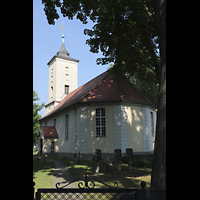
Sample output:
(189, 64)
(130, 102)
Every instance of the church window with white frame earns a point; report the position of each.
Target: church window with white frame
(100, 122)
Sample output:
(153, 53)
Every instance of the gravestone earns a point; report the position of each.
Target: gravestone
(118, 157)
(97, 154)
(129, 155)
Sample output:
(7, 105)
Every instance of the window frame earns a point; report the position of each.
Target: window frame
(100, 123)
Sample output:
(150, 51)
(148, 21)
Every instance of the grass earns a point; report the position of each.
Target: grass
(42, 173)
(141, 171)
(35, 152)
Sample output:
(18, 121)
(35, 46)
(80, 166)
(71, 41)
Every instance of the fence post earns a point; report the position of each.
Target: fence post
(38, 195)
(141, 193)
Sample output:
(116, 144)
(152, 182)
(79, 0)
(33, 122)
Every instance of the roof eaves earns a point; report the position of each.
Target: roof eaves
(67, 58)
(63, 57)
(51, 59)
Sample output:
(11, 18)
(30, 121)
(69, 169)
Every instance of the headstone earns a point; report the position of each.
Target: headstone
(129, 155)
(97, 154)
(118, 157)
(118, 154)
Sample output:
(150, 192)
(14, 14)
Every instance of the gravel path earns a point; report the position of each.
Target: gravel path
(61, 174)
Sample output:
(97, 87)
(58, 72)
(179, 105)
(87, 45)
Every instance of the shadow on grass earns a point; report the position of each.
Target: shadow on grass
(43, 166)
(124, 178)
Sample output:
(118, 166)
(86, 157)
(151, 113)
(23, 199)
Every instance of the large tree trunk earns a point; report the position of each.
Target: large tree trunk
(158, 179)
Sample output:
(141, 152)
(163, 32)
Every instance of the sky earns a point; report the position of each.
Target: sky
(47, 41)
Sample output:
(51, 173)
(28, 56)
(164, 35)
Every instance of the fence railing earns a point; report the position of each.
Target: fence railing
(88, 191)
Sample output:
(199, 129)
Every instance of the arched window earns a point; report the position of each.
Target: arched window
(100, 122)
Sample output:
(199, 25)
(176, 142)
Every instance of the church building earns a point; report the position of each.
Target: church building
(101, 114)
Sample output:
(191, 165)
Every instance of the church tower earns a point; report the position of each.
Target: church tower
(63, 77)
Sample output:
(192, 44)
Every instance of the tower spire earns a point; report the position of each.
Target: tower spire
(63, 50)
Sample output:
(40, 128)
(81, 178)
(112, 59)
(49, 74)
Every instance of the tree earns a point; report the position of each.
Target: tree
(129, 34)
(36, 108)
(148, 89)
(159, 164)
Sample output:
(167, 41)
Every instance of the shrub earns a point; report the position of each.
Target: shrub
(141, 161)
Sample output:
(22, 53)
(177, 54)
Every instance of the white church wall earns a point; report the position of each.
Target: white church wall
(61, 78)
(134, 128)
(65, 145)
(73, 132)
(120, 127)
(82, 129)
(148, 137)
(146, 129)
(73, 79)
(59, 128)
(106, 144)
(51, 79)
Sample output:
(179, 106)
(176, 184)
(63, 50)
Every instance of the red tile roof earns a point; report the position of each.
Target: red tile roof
(49, 131)
(102, 89)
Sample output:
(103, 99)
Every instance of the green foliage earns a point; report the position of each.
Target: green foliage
(124, 30)
(148, 89)
(140, 161)
(36, 108)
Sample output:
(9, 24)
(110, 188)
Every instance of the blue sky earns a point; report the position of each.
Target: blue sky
(47, 41)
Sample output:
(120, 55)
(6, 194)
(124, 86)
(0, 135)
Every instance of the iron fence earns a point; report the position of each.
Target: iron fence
(87, 191)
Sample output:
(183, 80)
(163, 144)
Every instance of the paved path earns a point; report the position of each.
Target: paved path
(61, 174)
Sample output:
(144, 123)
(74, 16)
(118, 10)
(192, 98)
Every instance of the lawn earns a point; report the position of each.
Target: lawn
(141, 171)
(42, 173)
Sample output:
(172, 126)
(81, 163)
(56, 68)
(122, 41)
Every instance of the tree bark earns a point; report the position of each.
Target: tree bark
(158, 179)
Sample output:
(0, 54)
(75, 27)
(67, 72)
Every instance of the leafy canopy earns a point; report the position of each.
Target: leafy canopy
(125, 31)
(36, 108)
